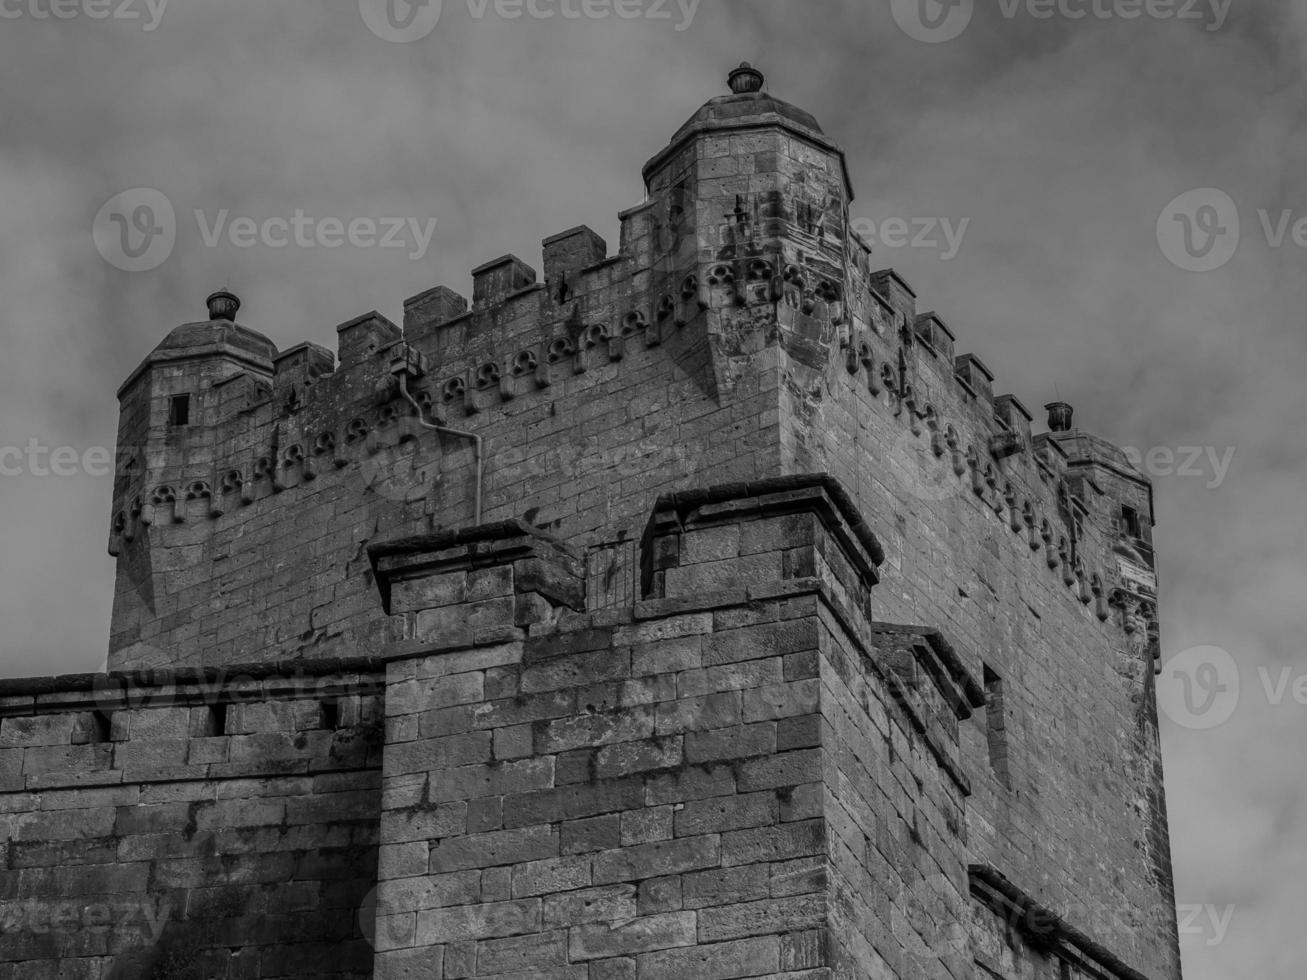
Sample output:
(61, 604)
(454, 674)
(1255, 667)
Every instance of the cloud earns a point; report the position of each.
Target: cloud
(1062, 142)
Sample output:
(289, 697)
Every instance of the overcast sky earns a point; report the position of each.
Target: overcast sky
(1060, 141)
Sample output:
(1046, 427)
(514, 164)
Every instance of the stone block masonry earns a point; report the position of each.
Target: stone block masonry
(740, 774)
(695, 611)
(618, 795)
(171, 825)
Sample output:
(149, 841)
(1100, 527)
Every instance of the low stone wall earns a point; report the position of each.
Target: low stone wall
(190, 825)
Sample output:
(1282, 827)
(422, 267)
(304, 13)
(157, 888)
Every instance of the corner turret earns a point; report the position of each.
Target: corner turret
(169, 407)
(1119, 499)
(748, 208)
(170, 403)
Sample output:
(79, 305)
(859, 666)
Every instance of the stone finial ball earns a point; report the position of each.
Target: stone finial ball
(745, 79)
(1060, 416)
(223, 305)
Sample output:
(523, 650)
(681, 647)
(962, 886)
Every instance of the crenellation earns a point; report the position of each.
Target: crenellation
(363, 336)
(426, 312)
(977, 379)
(893, 290)
(932, 332)
(499, 279)
(566, 256)
(651, 712)
(1015, 418)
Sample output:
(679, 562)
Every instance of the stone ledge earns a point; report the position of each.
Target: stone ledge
(544, 564)
(938, 658)
(815, 493)
(155, 776)
(407, 649)
(1041, 925)
(180, 686)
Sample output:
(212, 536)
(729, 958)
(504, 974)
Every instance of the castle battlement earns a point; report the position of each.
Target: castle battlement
(700, 610)
(521, 344)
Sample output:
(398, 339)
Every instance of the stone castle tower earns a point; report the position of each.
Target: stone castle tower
(693, 611)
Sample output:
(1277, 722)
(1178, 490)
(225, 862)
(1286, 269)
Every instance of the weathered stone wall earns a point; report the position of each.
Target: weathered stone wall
(281, 574)
(1075, 684)
(621, 794)
(186, 827)
(740, 334)
(742, 776)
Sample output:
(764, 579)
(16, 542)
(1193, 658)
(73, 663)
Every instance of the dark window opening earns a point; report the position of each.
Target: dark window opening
(1130, 522)
(331, 715)
(218, 720)
(996, 727)
(101, 727)
(179, 410)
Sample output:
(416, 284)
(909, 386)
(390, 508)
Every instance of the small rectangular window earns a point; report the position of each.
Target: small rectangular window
(1130, 522)
(996, 727)
(179, 410)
